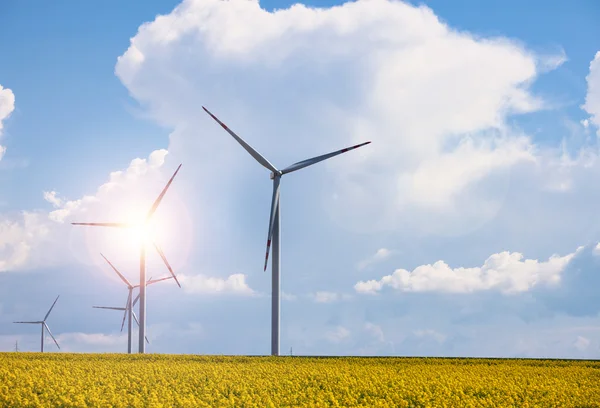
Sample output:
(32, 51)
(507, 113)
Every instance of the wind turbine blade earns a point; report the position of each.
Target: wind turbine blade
(118, 273)
(245, 145)
(51, 307)
(135, 300)
(138, 323)
(274, 206)
(108, 307)
(29, 322)
(162, 194)
(135, 318)
(150, 282)
(50, 333)
(308, 162)
(164, 258)
(104, 224)
(126, 308)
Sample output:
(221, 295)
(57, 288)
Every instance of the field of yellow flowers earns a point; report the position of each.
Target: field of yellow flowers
(118, 380)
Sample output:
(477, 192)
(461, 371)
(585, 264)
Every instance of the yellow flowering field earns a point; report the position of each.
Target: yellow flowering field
(120, 380)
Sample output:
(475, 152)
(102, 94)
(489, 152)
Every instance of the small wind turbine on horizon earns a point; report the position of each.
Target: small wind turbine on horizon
(45, 326)
(144, 225)
(273, 236)
(129, 305)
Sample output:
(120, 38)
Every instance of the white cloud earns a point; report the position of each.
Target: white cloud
(592, 99)
(326, 297)
(51, 197)
(506, 272)
(433, 100)
(429, 333)
(552, 61)
(235, 284)
(20, 239)
(119, 182)
(436, 182)
(585, 123)
(288, 296)
(34, 238)
(380, 255)
(582, 343)
(337, 335)
(7, 105)
(375, 330)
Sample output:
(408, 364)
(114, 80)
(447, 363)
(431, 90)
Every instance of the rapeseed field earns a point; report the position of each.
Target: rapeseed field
(118, 380)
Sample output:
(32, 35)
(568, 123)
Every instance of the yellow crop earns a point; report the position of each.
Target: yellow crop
(117, 380)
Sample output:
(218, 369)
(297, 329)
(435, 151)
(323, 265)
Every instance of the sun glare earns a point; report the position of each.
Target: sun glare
(141, 233)
(169, 228)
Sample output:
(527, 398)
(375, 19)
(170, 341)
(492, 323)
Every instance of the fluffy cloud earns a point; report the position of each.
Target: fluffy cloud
(290, 297)
(433, 100)
(235, 284)
(20, 239)
(338, 334)
(36, 238)
(507, 272)
(7, 105)
(582, 343)
(375, 331)
(326, 297)
(592, 99)
(380, 255)
(429, 333)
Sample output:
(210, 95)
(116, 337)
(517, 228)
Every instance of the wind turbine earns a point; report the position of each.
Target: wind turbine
(45, 326)
(142, 332)
(129, 305)
(273, 236)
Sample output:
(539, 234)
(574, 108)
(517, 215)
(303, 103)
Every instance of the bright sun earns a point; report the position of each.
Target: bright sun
(142, 232)
(122, 245)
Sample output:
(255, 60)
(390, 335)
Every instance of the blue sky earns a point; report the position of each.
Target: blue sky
(482, 150)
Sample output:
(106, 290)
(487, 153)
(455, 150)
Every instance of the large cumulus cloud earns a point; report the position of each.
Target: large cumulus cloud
(433, 100)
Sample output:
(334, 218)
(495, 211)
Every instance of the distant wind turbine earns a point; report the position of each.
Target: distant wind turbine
(45, 327)
(142, 319)
(129, 305)
(273, 235)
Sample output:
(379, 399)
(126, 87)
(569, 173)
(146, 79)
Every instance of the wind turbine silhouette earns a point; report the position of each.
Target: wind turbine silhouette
(130, 304)
(45, 326)
(273, 236)
(142, 319)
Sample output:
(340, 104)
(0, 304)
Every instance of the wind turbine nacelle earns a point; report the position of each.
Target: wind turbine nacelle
(273, 175)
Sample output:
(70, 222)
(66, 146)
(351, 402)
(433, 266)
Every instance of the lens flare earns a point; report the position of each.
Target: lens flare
(142, 233)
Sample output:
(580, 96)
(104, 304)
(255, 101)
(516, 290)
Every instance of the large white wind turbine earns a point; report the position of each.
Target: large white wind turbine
(273, 236)
(142, 332)
(130, 304)
(45, 326)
